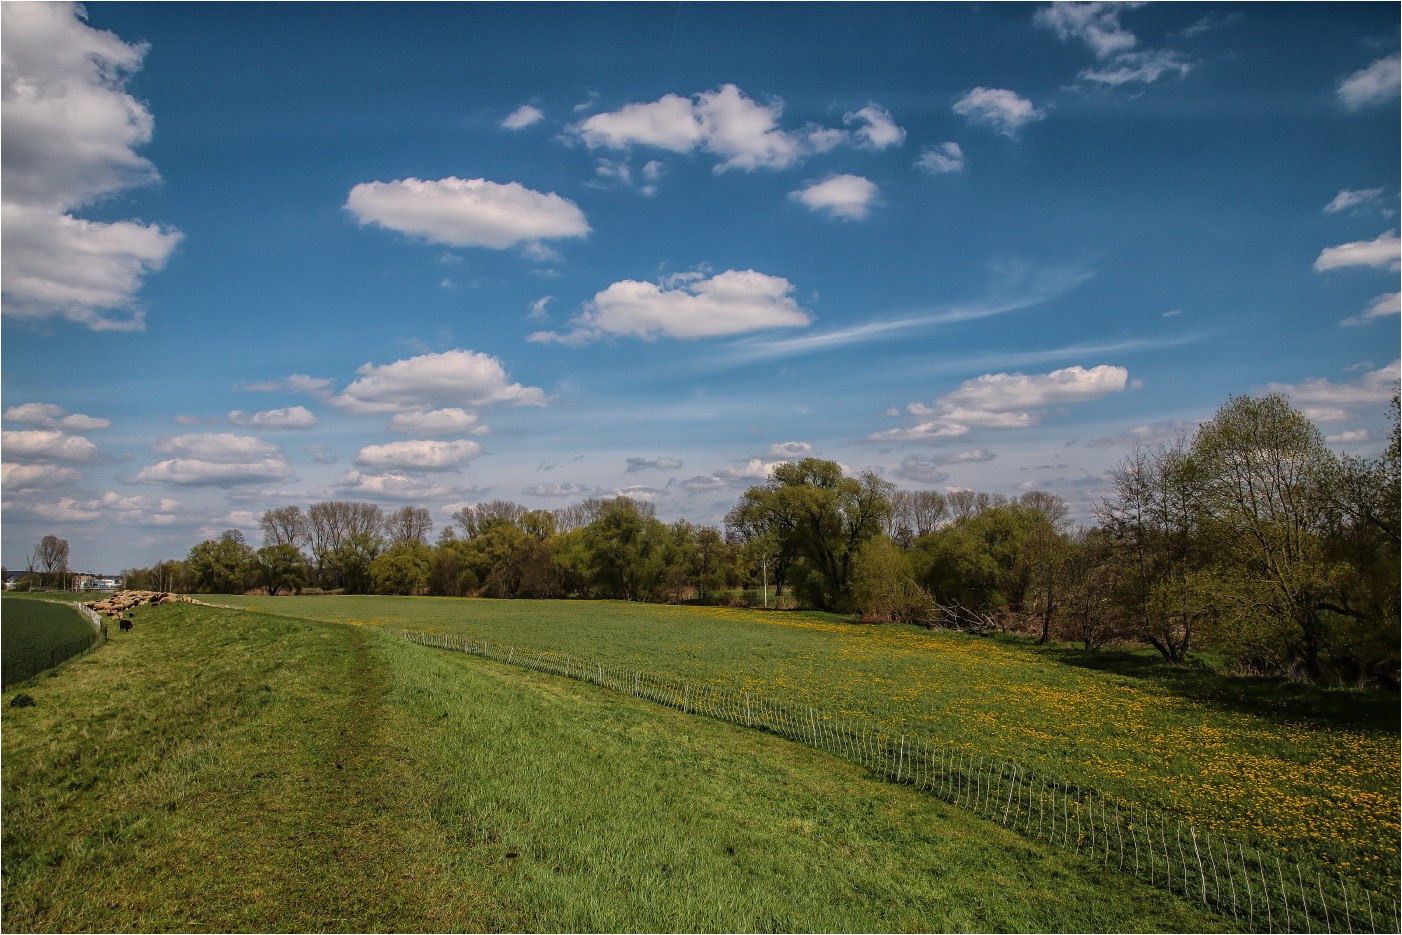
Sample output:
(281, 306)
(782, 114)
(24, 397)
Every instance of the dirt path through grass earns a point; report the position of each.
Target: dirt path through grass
(246, 777)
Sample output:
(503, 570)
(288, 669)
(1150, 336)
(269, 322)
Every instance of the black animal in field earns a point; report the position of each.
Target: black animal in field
(126, 625)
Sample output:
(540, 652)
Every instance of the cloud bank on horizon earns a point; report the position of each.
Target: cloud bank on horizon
(642, 255)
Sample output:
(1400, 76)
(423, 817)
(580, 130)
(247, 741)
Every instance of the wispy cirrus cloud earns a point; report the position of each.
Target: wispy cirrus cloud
(1027, 291)
(1349, 200)
(1098, 26)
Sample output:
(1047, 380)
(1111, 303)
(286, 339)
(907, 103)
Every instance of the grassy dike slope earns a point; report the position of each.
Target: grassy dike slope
(218, 769)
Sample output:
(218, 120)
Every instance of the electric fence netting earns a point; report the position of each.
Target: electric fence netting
(1261, 886)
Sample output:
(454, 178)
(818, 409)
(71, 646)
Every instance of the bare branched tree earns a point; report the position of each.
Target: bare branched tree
(408, 524)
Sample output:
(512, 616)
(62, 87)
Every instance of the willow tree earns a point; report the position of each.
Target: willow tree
(821, 516)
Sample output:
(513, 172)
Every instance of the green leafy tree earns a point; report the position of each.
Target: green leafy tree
(626, 548)
(1087, 610)
(1264, 470)
(220, 566)
(1363, 538)
(991, 563)
(348, 565)
(403, 568)
(884, 588)
(819, 515)
(277, 568)
(1155, 517)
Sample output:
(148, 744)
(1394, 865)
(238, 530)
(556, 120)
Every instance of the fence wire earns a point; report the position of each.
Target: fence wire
(1263, 888)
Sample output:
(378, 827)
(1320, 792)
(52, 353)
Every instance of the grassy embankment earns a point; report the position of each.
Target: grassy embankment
(216, 770)
(39, 633)
(1296, 765)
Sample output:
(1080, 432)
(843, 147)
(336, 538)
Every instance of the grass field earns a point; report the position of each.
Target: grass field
(219, 769)
(1300, 766)
(38, 634)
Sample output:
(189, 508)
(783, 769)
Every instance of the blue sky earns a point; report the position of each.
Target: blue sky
(262, 255)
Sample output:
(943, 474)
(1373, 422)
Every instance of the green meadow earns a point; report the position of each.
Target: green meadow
(1297, 766)
(219, 769)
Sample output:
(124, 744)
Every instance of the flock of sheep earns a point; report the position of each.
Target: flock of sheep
(123, 601)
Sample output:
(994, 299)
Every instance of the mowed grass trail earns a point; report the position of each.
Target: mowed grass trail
(1302, 767)
(218, 769)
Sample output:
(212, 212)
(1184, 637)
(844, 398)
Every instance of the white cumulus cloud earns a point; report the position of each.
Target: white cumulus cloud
(193, 472)
(1381, 252)
(1005, 401)
(397, 486)
(1376, 84)
(220, 447)
(687, 305)
(291, 417)
(523, 117)
(921, 470)
(21, 476)
(46, 445)
(875, 127)
(998, 108)
(1389, 303)
(111, 507)
(466, 212)
(451, 379)
(215, 459)
(842, 196)
(418, 455)
(784, 451)
(554, 490)
(70, 131)
(450, 421)
(668, 123)
(1323, 400)
(49, 416)
(741, 132)
(937, 160)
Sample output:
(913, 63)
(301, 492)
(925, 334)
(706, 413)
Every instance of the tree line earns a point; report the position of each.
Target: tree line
(1251, 540)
